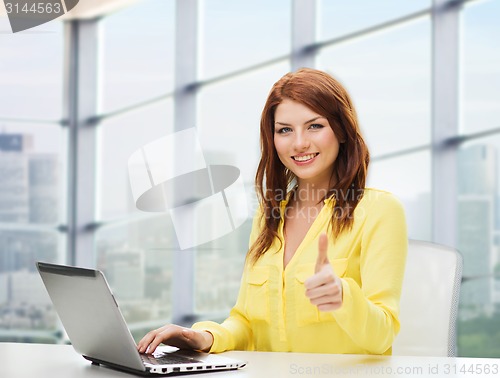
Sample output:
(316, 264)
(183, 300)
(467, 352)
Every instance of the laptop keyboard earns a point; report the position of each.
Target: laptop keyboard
(168, 359)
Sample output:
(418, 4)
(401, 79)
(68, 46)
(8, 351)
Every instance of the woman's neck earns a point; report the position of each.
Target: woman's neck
(310, 194)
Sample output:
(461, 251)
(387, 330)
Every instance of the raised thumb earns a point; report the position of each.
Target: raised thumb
(322, 252)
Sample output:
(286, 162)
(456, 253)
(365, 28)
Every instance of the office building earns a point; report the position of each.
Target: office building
(477, 194)
(29, 182)
(44, 194)
(28, 195)
(14, 179)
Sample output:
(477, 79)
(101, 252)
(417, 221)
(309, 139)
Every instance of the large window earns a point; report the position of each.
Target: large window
(478, 199)
(134, 248)
(478, 241)
(32, 178)
(382, 51)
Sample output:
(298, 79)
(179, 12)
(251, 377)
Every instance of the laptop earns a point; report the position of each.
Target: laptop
(95, 326)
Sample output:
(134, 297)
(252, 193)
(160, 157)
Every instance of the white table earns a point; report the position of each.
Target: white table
(61, 361)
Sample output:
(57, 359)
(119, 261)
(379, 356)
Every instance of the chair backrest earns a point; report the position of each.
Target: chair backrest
(429, 301)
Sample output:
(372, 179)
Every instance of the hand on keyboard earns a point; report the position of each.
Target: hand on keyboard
(174, 335)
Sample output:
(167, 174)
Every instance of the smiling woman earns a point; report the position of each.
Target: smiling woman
(308, 111)
(326, 260)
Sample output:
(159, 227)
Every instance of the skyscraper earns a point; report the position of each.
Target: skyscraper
(476, 222)
(28, 182)
(28, 194)
(14, 194)
(43, 188)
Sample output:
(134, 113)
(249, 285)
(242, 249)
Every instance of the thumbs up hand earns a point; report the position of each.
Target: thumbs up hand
(324, 288)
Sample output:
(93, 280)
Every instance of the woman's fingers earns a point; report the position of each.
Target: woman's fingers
(329, 289)
(166, 334)
(180, 337)
(144, 343)
(324, 289)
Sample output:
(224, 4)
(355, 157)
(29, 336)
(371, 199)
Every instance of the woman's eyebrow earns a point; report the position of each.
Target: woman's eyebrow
(305, 123)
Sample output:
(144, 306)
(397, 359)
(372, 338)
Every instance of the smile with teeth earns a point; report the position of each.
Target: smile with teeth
(305, 157)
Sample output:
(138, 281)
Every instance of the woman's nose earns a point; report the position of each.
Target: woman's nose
(301, 142)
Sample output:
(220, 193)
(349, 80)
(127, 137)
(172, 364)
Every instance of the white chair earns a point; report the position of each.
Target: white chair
(429, 301)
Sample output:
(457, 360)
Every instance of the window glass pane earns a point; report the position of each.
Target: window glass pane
(137, 51)
(481, 66)
(398, 176)
(32, 174)
(240, 33)
(230, 111)
(478, 334)
(229, 121)
(389, 78)
(478, 242)
(31, 71)
(26, 312)
(32, 178)
(219, 265)
(337, 17)
(119, 137)
(136, 257)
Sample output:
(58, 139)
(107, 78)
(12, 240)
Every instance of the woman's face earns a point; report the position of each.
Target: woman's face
(305, 143)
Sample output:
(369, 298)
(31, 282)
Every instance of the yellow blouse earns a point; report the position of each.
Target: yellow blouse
(272, 312)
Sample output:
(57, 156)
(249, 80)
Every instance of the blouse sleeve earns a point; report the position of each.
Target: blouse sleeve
(370, 313)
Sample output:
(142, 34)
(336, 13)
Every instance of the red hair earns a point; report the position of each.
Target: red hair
(326, 96)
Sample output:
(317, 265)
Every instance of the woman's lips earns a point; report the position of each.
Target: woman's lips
(304, 159)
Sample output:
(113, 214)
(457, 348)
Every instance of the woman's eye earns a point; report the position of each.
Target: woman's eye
(283, 130)
(316, 126)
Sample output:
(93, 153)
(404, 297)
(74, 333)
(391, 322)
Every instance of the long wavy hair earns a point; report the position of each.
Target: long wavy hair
(326, 96)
